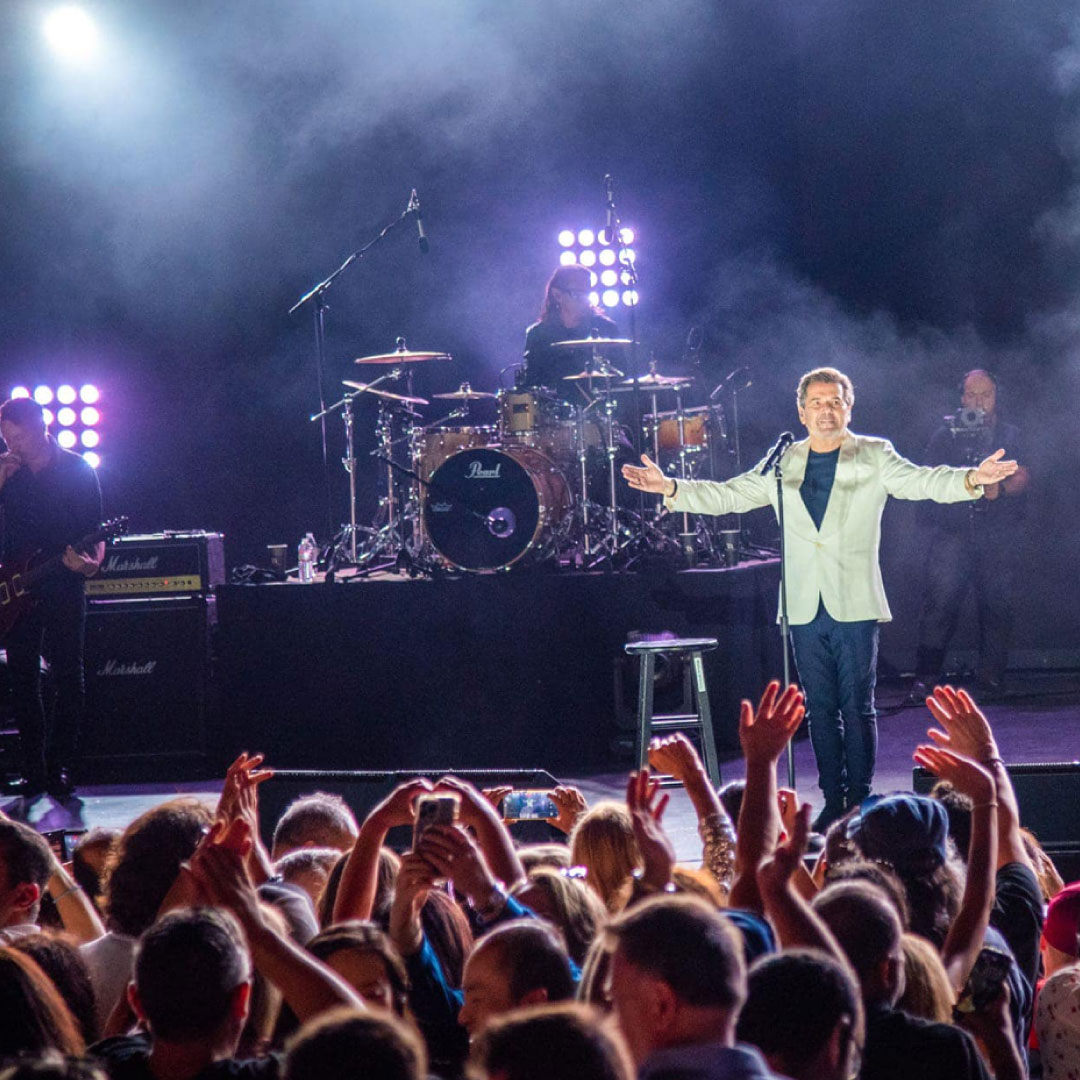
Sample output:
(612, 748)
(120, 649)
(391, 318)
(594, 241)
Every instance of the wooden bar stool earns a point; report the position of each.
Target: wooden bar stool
(699, 721)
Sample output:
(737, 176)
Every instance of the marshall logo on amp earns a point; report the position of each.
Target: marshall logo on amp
(117, 564)
(188, 563)
(117, 667)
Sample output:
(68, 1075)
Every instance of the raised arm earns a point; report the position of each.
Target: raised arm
(491, 834)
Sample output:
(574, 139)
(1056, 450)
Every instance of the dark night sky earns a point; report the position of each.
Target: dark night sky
(888, 187)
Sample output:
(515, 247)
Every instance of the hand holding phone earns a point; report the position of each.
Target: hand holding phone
(983, 985)
(529, 805)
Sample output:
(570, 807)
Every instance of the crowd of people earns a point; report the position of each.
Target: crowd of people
(922, 935)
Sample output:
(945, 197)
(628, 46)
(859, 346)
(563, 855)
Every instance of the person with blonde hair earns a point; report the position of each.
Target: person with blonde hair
(603, 842)
(927, 991)
(568, 903)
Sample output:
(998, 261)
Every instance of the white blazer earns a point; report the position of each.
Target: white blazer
(839, 563)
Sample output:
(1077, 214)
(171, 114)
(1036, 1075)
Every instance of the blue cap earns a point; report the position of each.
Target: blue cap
(908, 831)
(756, 933)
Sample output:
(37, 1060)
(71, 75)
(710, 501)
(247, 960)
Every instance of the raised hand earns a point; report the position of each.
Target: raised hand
(474, 807)
(993, 470)
(243, 776)
(775, 873)
(674, 755)
(453, 854)
(966, 775)
(966, 729)
(787, 802)
(495, 795)
(571, 804)
(649, 478)
(764, 733)
(399, 807)
(646, 816)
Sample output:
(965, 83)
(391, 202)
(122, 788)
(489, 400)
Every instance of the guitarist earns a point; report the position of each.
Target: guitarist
(48, 497)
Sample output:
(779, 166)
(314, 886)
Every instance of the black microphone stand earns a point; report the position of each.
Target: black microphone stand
(317, 296)
(784, 626)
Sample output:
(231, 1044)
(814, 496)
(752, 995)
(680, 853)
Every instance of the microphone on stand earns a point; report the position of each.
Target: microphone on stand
(722, 385)
(414, 209)
(609, 202)
(777, 452)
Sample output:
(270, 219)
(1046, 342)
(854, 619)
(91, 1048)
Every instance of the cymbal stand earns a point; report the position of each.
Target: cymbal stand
(686, 536)
(583, 465)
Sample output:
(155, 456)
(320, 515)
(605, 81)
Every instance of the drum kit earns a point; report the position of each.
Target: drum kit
(540, 484)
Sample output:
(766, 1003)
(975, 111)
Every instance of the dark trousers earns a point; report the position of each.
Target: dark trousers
(837, 666)
(54, 628)
(976, 558)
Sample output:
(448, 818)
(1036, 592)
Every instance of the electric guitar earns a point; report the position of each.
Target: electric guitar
(19, 576)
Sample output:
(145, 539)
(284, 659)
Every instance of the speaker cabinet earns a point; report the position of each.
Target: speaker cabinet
(148, 689)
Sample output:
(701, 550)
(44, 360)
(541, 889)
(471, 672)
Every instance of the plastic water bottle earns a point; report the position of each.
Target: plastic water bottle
(307, 555)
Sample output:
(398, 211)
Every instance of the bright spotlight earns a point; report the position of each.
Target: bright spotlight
(611, 298)
(66, 394)
(19, 391)
(71, 33)
(609, 278)
(586, 237)
(593, 279)
(607, 257)
(566, 238)
(594, 299)
(47, 416)
(43, 395)
(630, 297)
(90, 438)
(66, 416)
(90, 416)
(604, 236)
(67, 439)
(92, 459)
(627, 256)
(567, 258)
(89, 394)
(587, 257)
(627, 235)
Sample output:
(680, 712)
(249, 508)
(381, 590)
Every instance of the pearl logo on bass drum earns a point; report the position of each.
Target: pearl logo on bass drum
(478, 472)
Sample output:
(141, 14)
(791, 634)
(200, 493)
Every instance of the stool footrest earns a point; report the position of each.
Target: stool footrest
(676, 716)
(677, 725)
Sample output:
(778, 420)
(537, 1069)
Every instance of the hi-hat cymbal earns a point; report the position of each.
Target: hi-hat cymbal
(402, 356)
(656, 380)
(591, 342)
(608, 372)
(364, 388)
(466, 393)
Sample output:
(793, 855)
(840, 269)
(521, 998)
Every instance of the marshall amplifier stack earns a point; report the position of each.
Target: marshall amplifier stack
(149, 684)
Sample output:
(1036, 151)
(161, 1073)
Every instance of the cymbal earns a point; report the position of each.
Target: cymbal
(364, 388)
(592, 341)
(402, 356)
(655, 379)
(466, 393)
(594, 373)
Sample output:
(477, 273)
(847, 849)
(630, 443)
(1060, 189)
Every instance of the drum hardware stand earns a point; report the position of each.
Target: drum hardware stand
(317, 296)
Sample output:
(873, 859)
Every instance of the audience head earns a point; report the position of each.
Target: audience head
(53, 1066)
(731, 796)
(59, 958)
(523, 962)
(89, 859)
(344, 1043)
(534, 856)
(603, 842)
(868, 929)
(143, 863)
(876, 874)
(448, 933)
(927, 990)
(677, 974)
(803, 1011)
(309, 868)
(25, 867)
(568, 903)
(1061, 929)
(192, 978)
(958, 810)
(1050, 880)
(568, 1041)
(316, 820)
(363, 956)
(33, 1016)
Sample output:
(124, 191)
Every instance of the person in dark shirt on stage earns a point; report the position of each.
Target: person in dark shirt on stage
(566, 315)
(50, 499)
(972, 546)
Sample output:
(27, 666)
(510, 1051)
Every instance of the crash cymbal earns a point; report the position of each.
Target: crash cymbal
(608, 372)
(466, 393)
(364, 388)
(591, 342)
(657, 381)
(402, 356)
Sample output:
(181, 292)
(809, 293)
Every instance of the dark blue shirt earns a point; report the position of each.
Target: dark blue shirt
(817, 484)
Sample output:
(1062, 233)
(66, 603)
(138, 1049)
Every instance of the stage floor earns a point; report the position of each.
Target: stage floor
(1040, 722)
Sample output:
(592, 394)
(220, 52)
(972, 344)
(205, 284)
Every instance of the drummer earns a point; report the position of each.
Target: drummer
(566, 315)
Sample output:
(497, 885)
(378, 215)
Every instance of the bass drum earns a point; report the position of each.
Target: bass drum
(490, 508)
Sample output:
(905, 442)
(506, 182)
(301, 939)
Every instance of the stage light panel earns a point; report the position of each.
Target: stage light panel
(607, 257)
(43, 395)
(593, 279)
(47, 415)
(19, 391)
(66, 416)
(566, 238)
(567, 258)
(586, 237)
(610, 298)
(630, 297)
(627, 256)
(626, 277)
(609, 278)
(627, 235)
(71, 33)
(603, 237)
(90, 438)
(93, 459)
(587, 257)
(89, 394)
(66, 394)
(90, 416)
(67, 438)
(594, 299)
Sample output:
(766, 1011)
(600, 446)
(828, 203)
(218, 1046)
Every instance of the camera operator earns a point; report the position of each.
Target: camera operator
(973, 544)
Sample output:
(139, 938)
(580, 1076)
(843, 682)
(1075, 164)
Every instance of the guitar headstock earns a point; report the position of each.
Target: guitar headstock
(111, 529)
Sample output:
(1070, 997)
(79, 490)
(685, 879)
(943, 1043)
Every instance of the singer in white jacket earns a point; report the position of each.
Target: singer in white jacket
(835, 485)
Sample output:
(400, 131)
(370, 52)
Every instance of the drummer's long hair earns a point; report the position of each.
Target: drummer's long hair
(566, 277)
